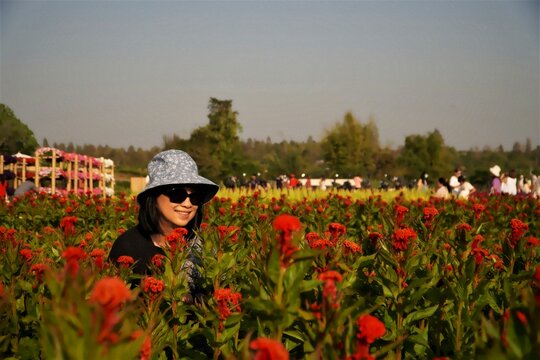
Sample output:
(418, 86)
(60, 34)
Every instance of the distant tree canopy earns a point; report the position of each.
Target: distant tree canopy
(349, 148)
(15, 136)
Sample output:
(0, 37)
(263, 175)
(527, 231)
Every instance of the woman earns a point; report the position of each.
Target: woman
(465, 188)
(442, 189)
(173, 198)
(495, 188)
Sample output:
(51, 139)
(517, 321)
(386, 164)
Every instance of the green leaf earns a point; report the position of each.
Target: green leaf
(419, 315)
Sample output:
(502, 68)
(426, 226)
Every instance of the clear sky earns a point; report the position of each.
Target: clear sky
(123, 73)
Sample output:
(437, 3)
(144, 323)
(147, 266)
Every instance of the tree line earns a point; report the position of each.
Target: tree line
(349, 148)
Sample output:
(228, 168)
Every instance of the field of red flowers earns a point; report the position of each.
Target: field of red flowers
(331, 277)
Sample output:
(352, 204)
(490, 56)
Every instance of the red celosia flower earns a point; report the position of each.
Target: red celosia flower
(146, 348)
(125, 261)
(268, 349)
(157, 260)
(401, 238)
(26, 254)
(230, 232)
(98, 255)
(463, 227)
(110, 293)
(153, 287)
(400, 213)
(336, 231)
(73, 255)
(176, 239)
(68, 225)
(285, 225)
(374, 236)
(429, 215)
(478, 210)
(329, 289)
(369, 328)
(38, 270)
(533, 241)
(227, 300)
(518, 229)
(321, 244)
(351, 247)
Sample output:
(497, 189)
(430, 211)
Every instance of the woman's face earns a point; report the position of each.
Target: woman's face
(176, 209)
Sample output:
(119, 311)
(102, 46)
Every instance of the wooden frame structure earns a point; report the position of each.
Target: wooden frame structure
(59, 172)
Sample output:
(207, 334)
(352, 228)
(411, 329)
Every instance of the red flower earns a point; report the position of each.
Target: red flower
(157, 260)
(329, 289)
(146, 348)
(230, 232)
(336, 231)
(285, 225)
(38, 270)
(518, 229)
(463, 227)
(374, 236)
(26, 254)
(98, 255)
(400, 213)
(73, 255)
(176, 239)
(125, 261)
(227, 300)
(153, 287)
(351, 247)
(533, 241)
(369, 328)
(268, 349)
(68, 225)
(110, 293)
(401, 238)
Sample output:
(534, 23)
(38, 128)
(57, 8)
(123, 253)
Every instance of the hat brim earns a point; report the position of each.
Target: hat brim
(209, 188)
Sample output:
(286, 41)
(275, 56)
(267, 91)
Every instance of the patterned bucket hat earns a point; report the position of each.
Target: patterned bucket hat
(176, 167)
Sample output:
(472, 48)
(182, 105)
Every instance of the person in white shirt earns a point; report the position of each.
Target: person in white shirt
(454, 182)
(465, 188)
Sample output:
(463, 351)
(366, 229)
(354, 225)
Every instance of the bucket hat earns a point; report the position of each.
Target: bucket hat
(176, 167)
(495, 170)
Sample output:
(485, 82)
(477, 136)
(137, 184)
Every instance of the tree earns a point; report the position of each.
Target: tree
(15, 136)
(349, 147)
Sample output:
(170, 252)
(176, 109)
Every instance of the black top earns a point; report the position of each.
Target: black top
(133, 243)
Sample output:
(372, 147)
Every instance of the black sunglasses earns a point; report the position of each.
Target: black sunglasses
(179, 195)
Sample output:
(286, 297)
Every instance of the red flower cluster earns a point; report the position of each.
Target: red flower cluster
(268, 349)
(329, 288)
(157, 260)
(351, 247)
(228, 232)
(227, 300)
(400, 213)
(38, 270)
(401, 238)
(73, 255)
(125, 261)
(98, 255)
(153, 287)
(369, 329)
(110, 293)
(336, 230)
(518, 229)
(146, 348)
(285, 225)
(176, 239)
(478, 210)
(68, 225)
(429, 215)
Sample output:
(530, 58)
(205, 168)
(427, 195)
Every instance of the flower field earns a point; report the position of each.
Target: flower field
(328, 276)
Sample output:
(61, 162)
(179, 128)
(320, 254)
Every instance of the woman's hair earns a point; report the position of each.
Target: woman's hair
(150, 217)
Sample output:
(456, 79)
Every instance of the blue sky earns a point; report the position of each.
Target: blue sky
(123, 73)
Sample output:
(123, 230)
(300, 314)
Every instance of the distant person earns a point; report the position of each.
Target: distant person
(442, 189)
(454, 182)
(293, 181)
(322, 184)
(510, 183)
(495, 188)
(422, 183)
(465, 188)
(25, 187)
(357, 182)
